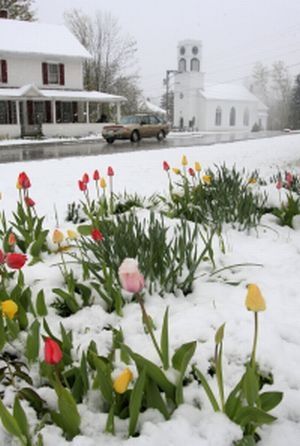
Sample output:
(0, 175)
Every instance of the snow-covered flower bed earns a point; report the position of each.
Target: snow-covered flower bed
(99, 349)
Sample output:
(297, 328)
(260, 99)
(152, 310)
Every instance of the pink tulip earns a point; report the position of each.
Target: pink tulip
(130, 277)
(289, 179)
(279, 184)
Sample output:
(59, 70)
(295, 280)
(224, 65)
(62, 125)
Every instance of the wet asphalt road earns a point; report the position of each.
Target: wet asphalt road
(44, 150)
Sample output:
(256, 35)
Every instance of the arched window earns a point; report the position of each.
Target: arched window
(218, 119)
(182, 65)
(232, 116)
(246, 116)
(195, 65)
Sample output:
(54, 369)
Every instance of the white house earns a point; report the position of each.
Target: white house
(41, 83)
(219, 107)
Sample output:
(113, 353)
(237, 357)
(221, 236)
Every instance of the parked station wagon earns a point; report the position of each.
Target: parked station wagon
(136, 127)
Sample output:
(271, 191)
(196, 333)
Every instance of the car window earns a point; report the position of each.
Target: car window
(144, 120)
(154, 120)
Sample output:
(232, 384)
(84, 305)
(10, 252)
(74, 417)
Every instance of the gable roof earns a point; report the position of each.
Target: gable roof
(34, 38)
(230, 92)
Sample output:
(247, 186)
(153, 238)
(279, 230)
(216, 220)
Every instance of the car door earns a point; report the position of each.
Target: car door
(145, 127)
(154, 127)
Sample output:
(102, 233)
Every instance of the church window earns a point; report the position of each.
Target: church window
(246, 117)
(232, 117)
(182, 65)
(218, 119)
(195, 50)
(195, 65)
(182, 50)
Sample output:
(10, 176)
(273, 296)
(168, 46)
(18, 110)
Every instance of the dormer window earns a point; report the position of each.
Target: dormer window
(3, 71)
(53, 73)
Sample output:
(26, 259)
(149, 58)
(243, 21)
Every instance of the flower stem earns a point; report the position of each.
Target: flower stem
(254, 339)
(149, 326)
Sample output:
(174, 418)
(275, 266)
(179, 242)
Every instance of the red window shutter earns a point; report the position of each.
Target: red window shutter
(48, 111)
(61, 74)
(4, 71)
(45, 73)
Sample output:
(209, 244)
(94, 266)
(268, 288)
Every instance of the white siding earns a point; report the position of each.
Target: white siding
(22, 71)
(226, 106)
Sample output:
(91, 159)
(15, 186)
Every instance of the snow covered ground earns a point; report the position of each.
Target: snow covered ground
(196, 317)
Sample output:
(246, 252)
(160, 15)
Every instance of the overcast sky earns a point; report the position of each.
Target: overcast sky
(234, 33)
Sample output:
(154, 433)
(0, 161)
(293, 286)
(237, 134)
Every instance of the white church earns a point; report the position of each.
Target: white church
(221, 107)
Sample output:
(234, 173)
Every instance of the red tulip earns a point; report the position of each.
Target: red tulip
(15, 260)
(191, 172)
(82, 185)
(53, 353)
(166, 166)
(110, 171)
(97, 235)
(96, 175)
(24, 181)
(85, 178)
(29, 202)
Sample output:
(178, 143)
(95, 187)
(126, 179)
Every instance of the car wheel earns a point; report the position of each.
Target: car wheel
(110, 140)
(135, 136)
(161, 135)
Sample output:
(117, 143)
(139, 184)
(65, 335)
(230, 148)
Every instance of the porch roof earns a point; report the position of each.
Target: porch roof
(31, 92)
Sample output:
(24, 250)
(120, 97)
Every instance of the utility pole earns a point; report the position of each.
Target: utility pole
(167, 80)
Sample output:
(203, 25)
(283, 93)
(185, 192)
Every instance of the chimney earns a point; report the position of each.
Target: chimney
(3, 14)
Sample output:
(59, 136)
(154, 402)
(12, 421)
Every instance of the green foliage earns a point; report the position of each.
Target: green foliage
(287, 211)
(227, 199)
(169, 263)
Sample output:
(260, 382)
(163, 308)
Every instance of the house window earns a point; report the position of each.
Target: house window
(195, 65)
(182, 65)
(66, 112)
(246, 117)
(8, 114)
(218, 119)
(3, 71)
(232, 117)
(53, 73)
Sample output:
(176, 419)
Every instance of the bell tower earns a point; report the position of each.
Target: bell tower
(189, 81)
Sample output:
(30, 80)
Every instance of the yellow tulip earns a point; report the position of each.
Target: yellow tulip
(252, 181)
(206, 179)
(122, 381)
(197, 166)
(102, 183)
(72, 235)
(57, 236)
(176, 170)
(184, 161)
(254, 299)
(9, 308)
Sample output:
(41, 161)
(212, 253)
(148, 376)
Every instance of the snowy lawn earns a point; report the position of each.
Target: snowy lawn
(273, 252)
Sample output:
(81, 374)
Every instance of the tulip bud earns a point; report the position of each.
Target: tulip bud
(9, 308)
(279, 184)
(82, 185)
(176, 171)
(96, 175)
(184, 161)
(122, 381)
(29, 202)
(52, 351)
(130, 277)
(102, 183)
(206, 179)
(191, 172)
(197, 166)
(72, 235)
(85, 178)
(2, 257)
(12, 239)
(15, 260)
(166, 166)
(57, 236)
(97, 236)
(110, 171)
(254, 299)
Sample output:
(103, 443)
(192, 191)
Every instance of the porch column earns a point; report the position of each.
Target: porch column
(118, 111)
(87, 112)
(18, 112)
(53, 112)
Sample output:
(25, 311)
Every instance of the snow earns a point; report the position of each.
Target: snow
(230, 92)
(195, 317)
(34, 38)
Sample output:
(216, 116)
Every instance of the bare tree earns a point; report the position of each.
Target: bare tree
(111, 68)
(260, 82)
(18, 9)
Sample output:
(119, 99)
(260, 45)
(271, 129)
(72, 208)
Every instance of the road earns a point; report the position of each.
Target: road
(47, 150)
